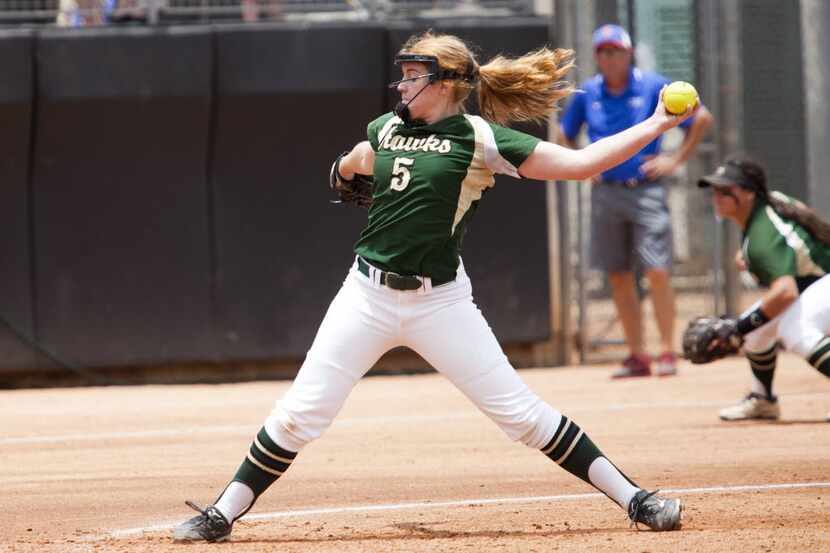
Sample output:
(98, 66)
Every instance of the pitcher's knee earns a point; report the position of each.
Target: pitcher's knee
(535, 428)
(291, 431)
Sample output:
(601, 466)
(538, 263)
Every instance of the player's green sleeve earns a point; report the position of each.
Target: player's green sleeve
(514, 146)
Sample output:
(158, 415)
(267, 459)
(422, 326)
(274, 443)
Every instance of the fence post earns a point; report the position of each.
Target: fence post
(152, 12)
(730, 133)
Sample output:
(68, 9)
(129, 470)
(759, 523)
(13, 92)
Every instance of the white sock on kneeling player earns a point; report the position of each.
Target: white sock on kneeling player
(235, 499)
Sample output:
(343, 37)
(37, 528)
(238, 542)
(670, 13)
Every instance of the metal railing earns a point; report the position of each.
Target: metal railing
(35, 11)
(82, 13)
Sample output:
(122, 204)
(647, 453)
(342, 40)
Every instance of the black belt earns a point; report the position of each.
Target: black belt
(396, 281)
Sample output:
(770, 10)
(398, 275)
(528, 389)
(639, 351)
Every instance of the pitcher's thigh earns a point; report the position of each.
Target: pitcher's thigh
(350, 340)
(459, 343)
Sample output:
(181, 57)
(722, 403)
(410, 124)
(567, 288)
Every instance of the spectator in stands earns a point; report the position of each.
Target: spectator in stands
(132, 11)
(83, 13)
(255, 10)
(630, 224)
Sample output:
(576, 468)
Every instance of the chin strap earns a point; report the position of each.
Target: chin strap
(402, 109)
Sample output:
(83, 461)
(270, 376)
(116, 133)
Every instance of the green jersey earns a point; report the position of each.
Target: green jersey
(774, 247)
(429, 179)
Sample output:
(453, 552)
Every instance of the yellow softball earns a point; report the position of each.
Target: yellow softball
(678, 95)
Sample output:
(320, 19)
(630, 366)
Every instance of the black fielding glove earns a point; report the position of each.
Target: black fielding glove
(357, 191)
(707, 339)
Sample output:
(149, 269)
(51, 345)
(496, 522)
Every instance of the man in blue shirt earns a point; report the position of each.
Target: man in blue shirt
(630, 222)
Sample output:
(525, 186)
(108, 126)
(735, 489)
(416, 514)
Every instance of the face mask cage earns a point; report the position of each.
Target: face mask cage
(434, 72)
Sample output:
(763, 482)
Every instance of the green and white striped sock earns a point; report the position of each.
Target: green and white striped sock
(820, 356)
(575, 452)
(763, 370)
(265, 462)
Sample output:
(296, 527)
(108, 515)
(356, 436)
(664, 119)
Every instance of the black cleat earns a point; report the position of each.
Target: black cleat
(658, 513)
(210, 526)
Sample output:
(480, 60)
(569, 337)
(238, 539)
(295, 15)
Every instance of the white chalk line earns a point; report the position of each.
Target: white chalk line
(468, 414)
(132, 532)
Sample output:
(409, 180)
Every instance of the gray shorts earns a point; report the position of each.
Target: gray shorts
(630, 227)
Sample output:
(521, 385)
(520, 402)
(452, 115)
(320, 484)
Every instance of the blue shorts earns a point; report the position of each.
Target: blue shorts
(630, 227)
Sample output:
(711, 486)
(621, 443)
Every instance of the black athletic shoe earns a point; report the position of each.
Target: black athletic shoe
(658, 513)
(210, 526)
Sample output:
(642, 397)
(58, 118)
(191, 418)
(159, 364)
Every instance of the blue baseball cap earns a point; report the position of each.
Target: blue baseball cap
(611, 35)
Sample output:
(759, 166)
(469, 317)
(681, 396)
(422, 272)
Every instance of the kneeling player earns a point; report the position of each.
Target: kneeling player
(786, 246)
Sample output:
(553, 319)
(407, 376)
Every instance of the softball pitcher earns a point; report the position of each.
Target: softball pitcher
(430, 163)
(786, 246)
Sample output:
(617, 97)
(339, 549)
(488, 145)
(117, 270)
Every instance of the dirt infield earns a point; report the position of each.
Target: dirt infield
(411, 466)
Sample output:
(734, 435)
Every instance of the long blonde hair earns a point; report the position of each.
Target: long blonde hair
(527, 88)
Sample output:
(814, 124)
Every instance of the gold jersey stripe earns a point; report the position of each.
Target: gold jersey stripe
(559, 439)
(478, 177)
(805, 264)
(269, 470)
(573, 445)
(269, 454)
(492, 157)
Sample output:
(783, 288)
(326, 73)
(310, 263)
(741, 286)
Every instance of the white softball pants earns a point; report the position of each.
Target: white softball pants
(799, 327)
(442, 324)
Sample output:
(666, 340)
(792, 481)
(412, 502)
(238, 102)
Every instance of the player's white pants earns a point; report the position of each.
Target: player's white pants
(442, 324)
(799, 327)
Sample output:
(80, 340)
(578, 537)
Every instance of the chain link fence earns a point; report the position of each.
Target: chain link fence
(679, 39)
(696, 272)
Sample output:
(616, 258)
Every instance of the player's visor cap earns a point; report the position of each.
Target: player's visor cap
(728, 174)
(613, 36)
(434, 70)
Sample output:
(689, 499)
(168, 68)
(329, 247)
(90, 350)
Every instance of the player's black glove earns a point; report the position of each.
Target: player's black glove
(707, 339)
(357, 191)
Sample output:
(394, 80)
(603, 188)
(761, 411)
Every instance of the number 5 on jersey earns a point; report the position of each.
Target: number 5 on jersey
(401, 173)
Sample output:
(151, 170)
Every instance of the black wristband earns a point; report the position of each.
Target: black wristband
(334, 176)
(752, 320)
